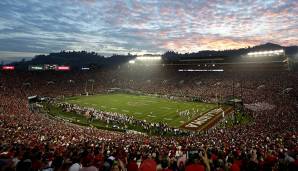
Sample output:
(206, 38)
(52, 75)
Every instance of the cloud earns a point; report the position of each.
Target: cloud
(138, 26)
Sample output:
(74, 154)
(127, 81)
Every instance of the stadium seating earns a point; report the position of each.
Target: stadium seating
(34, 141)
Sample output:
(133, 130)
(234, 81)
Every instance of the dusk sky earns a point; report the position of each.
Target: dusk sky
(30, 27)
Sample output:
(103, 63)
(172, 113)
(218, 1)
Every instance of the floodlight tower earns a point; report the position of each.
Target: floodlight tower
(266, 53)
(145, 59)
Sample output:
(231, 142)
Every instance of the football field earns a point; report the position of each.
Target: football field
(149, 108)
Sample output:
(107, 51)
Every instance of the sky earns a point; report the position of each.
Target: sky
(31, 27)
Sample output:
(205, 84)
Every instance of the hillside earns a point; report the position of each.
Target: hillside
(83, 58)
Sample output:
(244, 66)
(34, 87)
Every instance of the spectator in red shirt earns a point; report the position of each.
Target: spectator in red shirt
(132, 165)
(195, 166)
(148, 165)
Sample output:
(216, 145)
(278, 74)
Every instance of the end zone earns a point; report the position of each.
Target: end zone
(207, 120)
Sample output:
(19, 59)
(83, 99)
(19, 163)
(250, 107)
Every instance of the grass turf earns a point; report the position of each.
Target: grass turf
(149, 108)
(78, 119)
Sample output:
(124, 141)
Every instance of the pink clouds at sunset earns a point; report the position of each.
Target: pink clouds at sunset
(195, 44)
(145, 25)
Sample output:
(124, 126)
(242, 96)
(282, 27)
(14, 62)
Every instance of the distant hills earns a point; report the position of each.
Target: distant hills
(77, 59)
(172, 56)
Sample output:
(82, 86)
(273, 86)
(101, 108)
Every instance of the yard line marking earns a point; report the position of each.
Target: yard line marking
(168, 108)
(168, 119)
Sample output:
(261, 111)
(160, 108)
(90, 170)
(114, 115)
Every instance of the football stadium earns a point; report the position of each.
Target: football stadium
(91, 85)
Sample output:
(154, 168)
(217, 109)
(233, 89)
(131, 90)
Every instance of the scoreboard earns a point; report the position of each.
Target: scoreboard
(49, 67)
(35, 67)
(38, 67)
(8, 67)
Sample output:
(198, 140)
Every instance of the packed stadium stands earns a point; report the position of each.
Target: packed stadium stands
(32, 140)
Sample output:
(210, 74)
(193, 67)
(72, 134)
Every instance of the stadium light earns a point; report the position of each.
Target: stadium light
(148, 58)
(132, 61)
(266, 53)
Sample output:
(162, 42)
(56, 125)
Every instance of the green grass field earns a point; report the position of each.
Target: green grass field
(149, 108)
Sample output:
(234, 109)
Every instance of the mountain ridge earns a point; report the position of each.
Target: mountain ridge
(78, 59)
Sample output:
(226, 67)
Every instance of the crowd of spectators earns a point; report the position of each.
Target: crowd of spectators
(116, 119)
(33, 141)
